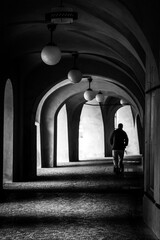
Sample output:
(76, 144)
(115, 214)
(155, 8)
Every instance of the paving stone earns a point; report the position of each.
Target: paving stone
(75, 202)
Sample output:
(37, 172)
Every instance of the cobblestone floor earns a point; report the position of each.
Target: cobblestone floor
(76, 202)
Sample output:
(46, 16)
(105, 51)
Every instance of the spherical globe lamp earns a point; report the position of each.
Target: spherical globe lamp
(123, 102)
(51, 54)
(99, 97)
(75, 75)
(89, 95)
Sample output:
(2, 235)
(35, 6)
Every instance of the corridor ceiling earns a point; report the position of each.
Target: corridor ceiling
(106, 35)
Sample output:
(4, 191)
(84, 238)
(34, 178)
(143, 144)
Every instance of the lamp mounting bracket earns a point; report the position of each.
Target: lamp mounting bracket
(61, 15)
(89, 79)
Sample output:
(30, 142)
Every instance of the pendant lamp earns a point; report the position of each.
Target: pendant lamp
(75, 75)
(89, 94)
(99, 97)
(51, 54)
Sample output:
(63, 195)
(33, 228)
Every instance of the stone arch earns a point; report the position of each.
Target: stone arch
(65, 92)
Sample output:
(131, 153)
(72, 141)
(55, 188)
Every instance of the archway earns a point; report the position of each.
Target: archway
(124, 115)
(8, 134)
(51, 103)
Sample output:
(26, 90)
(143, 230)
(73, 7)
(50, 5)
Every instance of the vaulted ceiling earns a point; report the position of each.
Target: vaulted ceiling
(108, 35)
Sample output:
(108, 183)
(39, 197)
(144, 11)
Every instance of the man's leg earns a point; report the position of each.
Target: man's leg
(115, 159)
(120, 163)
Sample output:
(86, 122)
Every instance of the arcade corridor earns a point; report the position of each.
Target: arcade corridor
(74, 202)
(59, 56)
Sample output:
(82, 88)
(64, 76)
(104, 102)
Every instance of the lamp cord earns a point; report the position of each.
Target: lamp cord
(52, 28)
(75, 56)
(89, 80)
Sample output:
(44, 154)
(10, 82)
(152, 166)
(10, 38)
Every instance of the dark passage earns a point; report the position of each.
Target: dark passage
(82, 201)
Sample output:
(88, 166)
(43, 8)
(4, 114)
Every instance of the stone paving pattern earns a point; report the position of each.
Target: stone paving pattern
(84, 201)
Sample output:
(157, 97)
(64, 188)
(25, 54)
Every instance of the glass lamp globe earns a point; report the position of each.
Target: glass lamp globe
(123, 102)
(99, 97)
(51, 54)
(89, 94)
(75, 75)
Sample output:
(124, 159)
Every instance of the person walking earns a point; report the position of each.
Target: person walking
(119, 140)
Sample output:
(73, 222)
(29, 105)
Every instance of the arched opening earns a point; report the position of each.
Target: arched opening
(62, 137)
(8, 134)
(47, 123)
(125, 116)
(91, 133)
(38, 145)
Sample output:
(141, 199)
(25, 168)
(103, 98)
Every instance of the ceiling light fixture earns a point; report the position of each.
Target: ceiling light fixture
(99, 97)
(123, 102)
(61, 15)
(75, 75)
(51, 54)
(89, 94)
(108, 104)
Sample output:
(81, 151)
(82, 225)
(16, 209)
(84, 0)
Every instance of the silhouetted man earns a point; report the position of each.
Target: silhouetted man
(119, 141)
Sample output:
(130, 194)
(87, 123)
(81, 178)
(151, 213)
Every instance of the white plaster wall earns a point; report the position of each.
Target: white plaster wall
(91, 133)
(62, 136)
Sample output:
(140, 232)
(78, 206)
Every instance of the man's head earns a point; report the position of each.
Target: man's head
(120, 125)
